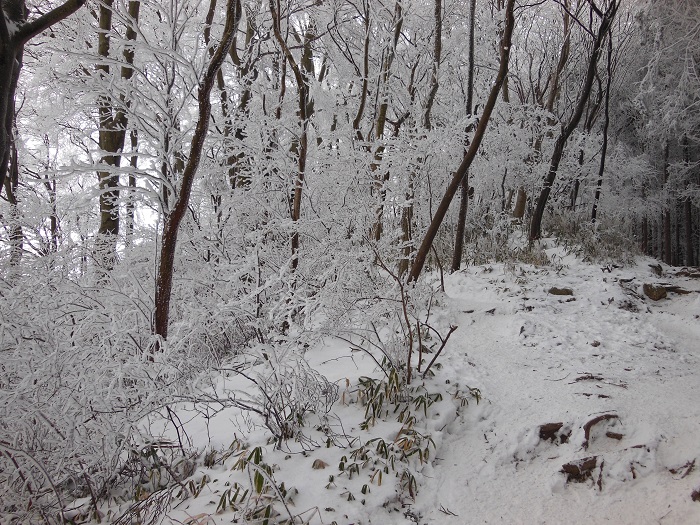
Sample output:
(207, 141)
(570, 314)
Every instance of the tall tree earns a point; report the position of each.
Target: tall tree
(464, 188)
(461, 171)
(113, 123)
(301, 144)
(15, 32)
(171, 225)
(567, 128)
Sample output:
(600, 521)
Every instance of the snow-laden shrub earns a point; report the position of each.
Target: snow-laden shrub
(602, 243)
(76, 379)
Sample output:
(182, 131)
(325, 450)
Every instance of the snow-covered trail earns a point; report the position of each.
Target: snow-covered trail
(540, 358)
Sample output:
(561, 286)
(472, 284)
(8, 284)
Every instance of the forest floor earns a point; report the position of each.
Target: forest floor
(603, 383)
(608, 352)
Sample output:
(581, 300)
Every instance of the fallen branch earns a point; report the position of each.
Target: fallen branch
(587, 427)
(437, 354)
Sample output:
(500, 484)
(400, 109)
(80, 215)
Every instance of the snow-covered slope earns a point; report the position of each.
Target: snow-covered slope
(540, 358)
(597, 380)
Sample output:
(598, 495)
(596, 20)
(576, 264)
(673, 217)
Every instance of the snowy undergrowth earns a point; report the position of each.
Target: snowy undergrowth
(587, 410)
(293, 432)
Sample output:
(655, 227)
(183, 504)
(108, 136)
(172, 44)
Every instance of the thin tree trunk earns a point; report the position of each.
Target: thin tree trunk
(407, 210)
(464, 186)
(520, 202)
(131, 202)
(16, 236)
(458, 176)
(380, 182)
(303, 141)
(164, 278)
(606, 124)
(667, 251)
(567, 130)
(687, 209)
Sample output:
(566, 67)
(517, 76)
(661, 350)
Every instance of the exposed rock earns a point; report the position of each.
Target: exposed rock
(693, 273)
(560, 291)
(551, 432)
(614, 435)
(580, 470)
(654, 292)
(590, 424)
(319, 464)
(695, 496)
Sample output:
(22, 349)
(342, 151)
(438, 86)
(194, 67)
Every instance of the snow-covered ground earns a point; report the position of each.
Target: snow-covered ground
(604, 375)
(542, 358)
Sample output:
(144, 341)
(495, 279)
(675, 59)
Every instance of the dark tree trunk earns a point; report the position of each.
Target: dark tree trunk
(666, 220)
(464, 192)
(459, 175)
(16, 236)
(131, 201)
(381, 180)
(567, 130)
(112, 133)
(164, 278)
(687, 209)
(301, 145)
(606, 125)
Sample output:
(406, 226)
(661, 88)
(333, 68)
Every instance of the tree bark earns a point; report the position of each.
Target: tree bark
(164, 278)
(606, 125)
(112, 132)
(687, 208)
(457, 177)
(464, 186)
(380, 182)
(300, 76)
(666, 220)
(11, 52)
(567, 130)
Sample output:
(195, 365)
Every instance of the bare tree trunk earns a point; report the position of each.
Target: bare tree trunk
(407, 210)
(380, 182)
(303, 140)
(687, 209)
(16, 236)
(464, 186)
(112, 133)
(457, 177)
(606, 124)
(164, 278)
(567, 130)
(11, 52)
(131, 201)
(666, 221)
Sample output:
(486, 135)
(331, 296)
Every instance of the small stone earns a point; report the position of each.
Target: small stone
(551, 432)
(319, 464)
(560, 291)
(654, 292)
(656, 269)
(580, 470)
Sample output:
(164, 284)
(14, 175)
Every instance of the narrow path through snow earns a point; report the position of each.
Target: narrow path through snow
(540, 358)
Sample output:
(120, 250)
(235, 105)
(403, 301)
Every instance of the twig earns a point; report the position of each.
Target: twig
(437, 354)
